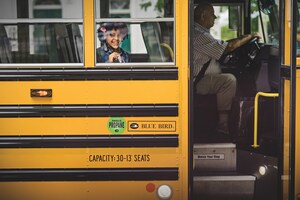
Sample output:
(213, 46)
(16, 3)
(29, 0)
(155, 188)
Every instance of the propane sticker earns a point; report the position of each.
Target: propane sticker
(116, 125)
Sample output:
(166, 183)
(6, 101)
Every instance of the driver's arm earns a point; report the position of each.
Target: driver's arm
(237, 42)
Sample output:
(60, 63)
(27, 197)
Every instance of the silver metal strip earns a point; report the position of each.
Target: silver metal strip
(225, 178)
(41, 65)
(136, 64)
(135, 20)
(215, 145)
(35, 21)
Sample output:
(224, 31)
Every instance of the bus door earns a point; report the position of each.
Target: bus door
(75, 124)
(244, 169)
(291, 74)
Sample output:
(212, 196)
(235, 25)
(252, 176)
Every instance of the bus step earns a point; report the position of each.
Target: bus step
(225, 187)
(215, 157)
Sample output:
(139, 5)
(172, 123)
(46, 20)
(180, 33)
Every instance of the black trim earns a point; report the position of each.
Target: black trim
(292, 105)
(88, 141)
(191, 103)
(283, 75)
(145, 73)
(92, 174)
(88, 110)
(285, 71)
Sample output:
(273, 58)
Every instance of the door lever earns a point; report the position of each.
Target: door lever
(41, 92)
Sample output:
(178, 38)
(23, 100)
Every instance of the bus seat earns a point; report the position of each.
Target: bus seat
(205, 114)
(268, 72)
(5, 47)
(158, 51)
(140, 57)
(76, 41)
(64, 43)
(51, 44)
(262, 80)
(58, 43)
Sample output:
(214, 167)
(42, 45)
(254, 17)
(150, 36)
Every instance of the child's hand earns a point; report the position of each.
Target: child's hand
(114, 57)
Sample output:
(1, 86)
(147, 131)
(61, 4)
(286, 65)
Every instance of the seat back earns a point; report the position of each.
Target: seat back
(64, 43)
(157, 50)
(205, 114)
(76, 41)
(5, 47)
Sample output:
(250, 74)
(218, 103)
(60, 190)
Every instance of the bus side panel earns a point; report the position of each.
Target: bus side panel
(91, 92)
(85, 126)
(62, 158)
(87, 190)
(63, 147)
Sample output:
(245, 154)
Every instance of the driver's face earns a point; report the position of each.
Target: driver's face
(209, 17)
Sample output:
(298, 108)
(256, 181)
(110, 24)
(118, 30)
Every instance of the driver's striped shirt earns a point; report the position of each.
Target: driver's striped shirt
(206, 47)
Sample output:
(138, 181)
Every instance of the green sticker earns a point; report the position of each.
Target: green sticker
(116, 125)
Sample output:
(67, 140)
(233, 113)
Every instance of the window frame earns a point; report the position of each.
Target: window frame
(98, 20)
(33, 21)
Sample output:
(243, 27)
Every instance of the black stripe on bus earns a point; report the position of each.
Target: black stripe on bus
(126, 73)
(89, 141)
(88, 110)
(89, 174)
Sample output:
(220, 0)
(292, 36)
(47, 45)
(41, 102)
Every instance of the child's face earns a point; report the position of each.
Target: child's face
(114, 38)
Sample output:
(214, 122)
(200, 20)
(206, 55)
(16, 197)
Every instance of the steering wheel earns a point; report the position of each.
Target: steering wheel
(243, 56)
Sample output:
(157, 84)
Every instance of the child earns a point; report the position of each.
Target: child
(111, 34)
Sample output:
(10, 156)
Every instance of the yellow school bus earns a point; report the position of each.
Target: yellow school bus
(78, 124)
(76, 128)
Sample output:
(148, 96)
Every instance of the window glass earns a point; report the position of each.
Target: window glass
(268, 23)
(41, 43)
(31, 34)
(41, 9)
(134, 8)
(142, 29)
(135, 42)
(228, 23)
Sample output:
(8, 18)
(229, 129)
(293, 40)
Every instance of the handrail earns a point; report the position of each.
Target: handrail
(255, 145)
(169, 49)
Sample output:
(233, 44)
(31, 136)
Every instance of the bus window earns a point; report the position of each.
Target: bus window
(42, 31)
(152, 39)
(150, 25)
(5, 48)
(224, 27)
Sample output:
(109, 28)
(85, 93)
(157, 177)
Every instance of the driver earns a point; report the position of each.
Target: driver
(207, 51)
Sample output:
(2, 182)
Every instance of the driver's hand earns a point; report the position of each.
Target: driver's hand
(255, 34)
